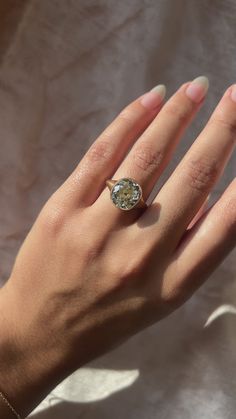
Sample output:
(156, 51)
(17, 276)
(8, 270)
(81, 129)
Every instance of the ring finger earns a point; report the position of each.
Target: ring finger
(153, 150)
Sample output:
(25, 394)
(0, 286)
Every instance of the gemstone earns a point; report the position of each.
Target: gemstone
(126, 193)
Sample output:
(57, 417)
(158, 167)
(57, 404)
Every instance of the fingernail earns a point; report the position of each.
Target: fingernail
(197, 89)
(154, 97)
(233, 93)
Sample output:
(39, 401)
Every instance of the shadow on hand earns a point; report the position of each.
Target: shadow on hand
(171, 357)
(150, 216)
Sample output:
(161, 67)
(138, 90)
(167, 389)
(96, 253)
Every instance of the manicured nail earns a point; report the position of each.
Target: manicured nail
(233, 93)
(197, 89)
(154, 97)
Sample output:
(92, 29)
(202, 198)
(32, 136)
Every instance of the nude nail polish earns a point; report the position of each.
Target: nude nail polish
(197, 89)
(154, 97)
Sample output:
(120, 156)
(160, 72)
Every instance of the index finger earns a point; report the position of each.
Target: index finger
(104, 156)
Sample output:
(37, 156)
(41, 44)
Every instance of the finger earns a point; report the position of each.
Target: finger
(204, 247)
(197, 173)
(153, 150)
(106, 153)
(200, 213)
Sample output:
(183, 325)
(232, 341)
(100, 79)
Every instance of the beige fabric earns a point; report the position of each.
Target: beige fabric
(66, 69)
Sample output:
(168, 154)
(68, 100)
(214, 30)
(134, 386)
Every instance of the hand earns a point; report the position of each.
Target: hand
(90, 275)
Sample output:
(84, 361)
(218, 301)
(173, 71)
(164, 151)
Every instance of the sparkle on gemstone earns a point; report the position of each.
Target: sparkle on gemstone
(126, 193)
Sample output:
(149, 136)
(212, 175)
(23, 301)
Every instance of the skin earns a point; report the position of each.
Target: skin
(89, 276)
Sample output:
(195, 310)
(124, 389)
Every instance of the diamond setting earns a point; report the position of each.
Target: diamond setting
(126, 193)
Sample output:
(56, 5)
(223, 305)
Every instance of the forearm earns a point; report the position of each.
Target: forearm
(27, 372)
(24, 381)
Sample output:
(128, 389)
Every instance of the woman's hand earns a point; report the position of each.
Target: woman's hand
(89, 275)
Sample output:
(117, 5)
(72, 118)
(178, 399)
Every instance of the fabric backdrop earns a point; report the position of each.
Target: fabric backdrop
(66, 69)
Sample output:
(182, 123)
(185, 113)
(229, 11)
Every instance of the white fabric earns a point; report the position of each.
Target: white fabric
(66, 69)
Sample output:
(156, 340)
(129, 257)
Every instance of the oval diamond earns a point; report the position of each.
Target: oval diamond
(126, 193)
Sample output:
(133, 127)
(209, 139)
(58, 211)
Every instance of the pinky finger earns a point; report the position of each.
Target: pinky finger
(204, 246)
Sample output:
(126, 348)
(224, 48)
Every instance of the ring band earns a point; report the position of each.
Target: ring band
(126, 193)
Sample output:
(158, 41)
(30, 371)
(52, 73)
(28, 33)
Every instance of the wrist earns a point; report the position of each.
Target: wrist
(29, 368)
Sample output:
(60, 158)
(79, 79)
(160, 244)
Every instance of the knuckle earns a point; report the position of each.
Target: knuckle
(131, 269)
(125, 273)
(223, 123)
(134, 269)
(90, 253)
(100, 150)
(178, 112)
(175, 296)
(92, 247)
(146, 158)
(52, 219)
(202, 174)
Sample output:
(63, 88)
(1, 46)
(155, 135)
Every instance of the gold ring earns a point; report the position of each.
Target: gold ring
(126, 193)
